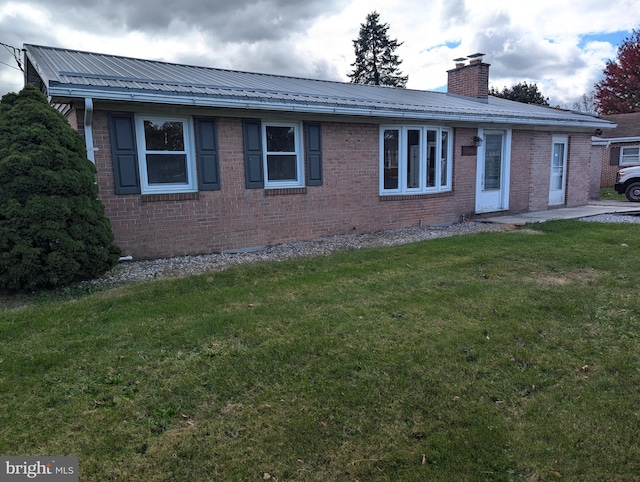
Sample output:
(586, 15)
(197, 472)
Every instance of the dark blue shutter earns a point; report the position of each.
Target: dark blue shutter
(124, 153)
(313, 154)
(207, 154)
(614, 156)
(253, 169)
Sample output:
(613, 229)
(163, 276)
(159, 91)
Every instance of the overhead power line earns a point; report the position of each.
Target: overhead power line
(9, 65)
(15, 51)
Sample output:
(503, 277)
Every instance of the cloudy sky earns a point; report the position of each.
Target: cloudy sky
(561, 45)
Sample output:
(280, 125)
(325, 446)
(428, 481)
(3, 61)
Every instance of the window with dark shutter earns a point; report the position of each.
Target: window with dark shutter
(313, 154)
(614, 156)
(207, 154)
(124, 154)
(254, 173)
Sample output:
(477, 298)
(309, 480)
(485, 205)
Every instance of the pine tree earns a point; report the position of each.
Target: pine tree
(376, 63)
(619, 91)
(53, 230)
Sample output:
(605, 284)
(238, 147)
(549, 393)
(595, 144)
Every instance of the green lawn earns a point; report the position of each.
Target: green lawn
(609, 194)
(494, 356)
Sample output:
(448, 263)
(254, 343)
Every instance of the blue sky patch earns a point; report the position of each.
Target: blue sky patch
(614, 38)
(449, 45)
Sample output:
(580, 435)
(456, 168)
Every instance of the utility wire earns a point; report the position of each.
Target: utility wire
(9, 65)
(16, 55)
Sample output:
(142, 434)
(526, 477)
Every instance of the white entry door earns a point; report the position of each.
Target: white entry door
(492, 177)
(557, 183)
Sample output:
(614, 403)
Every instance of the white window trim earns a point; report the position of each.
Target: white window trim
(402, 161)
(299, 182)
(636, 160)
(146, 188)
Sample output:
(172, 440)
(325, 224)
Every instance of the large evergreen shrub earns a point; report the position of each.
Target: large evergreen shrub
(53, 230)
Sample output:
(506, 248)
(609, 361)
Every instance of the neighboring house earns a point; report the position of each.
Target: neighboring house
(196, 160)
(619, 147)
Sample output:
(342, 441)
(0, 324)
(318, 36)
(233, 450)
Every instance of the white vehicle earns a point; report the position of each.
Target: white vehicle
(628, 183)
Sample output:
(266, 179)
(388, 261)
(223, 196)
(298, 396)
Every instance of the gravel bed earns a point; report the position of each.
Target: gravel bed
(613, 218)
(189, 265)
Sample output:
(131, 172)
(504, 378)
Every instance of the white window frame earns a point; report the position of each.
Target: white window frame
(422, 187)
(300, 177)
(166, 188)
(629, 159)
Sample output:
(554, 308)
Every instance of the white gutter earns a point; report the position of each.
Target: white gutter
(616, 140)
(606, 142)
(88, 128)
(499, 118)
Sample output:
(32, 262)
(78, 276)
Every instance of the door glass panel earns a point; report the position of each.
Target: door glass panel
(492, 162)
(391, 149)
(557, 167)
(413, 159)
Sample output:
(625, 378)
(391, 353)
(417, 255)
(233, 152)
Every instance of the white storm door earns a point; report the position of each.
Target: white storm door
(557, 183)
(492, 177)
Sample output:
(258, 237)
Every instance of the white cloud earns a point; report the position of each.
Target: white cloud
(543, 43)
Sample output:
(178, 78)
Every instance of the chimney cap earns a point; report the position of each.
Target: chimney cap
(477, 55)
(460, 59)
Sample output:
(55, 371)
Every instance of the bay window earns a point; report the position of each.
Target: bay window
(415, 160)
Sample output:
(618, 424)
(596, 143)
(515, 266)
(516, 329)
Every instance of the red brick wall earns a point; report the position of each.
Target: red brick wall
(531, 164)
(235, 217)
(540, 169)
(348, 201)
(609, 172)
(521, 170)
(597, 168)
(578, 169)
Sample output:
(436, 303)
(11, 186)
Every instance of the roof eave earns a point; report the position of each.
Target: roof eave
(615, 140)
(66, 91)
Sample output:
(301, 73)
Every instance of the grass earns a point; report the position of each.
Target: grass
(609, 194)
(495, 356)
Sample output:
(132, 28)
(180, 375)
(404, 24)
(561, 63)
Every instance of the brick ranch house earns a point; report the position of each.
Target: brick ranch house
(619, 147)
(197, 160)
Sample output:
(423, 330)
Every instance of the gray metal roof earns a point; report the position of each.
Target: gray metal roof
(68, 74)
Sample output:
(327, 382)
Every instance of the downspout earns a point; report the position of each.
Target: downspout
(88, 129)
(88, 141)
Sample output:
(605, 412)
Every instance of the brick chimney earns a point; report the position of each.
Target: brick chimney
(469, 80)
